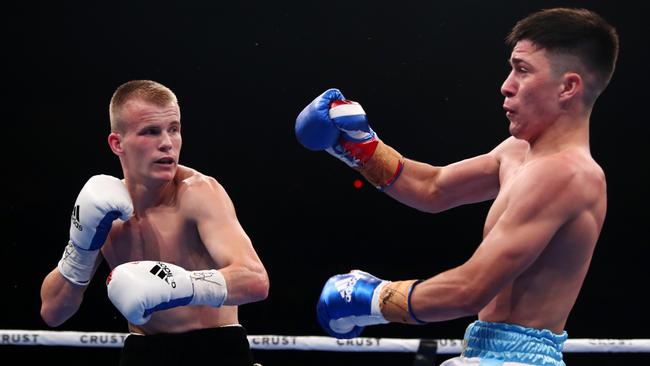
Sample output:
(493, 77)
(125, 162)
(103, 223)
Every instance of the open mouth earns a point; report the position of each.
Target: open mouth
(165, 161)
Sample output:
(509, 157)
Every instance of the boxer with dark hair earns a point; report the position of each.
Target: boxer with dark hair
(549, 201)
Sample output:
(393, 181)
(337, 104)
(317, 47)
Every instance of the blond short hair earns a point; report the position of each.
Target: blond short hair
(146, 90)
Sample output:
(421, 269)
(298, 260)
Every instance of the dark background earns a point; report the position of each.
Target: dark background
(428, 74)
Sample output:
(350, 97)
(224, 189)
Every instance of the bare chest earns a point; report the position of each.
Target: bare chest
(509, 170)
(161, 234)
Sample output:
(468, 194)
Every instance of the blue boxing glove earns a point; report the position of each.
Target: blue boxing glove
(340, 127)
(314, 128)
(348, 303)
(351, 301)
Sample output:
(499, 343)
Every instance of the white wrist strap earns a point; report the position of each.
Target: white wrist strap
(209, 288)
(77, 265)
(375, 309)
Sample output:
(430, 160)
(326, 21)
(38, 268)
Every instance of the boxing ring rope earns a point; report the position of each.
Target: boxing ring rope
(10, 337)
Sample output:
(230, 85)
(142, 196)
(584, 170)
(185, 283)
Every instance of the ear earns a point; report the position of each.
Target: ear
(571, 86)
(115, 142)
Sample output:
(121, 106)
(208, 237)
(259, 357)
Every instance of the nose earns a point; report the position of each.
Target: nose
(509, 86)
(165, 142)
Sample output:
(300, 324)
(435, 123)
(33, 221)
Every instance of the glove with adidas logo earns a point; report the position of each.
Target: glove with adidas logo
(101, 200)
(138, 289)
(351, 301)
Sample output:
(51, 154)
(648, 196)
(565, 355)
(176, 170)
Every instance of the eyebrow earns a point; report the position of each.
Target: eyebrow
(159, 124)
(518, 61)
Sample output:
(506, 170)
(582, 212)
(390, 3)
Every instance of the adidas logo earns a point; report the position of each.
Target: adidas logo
(163, 272)
(344, 155)
(75, 218)
(345, 287)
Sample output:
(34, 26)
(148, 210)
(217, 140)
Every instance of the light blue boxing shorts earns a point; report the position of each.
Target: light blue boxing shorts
(496, 344)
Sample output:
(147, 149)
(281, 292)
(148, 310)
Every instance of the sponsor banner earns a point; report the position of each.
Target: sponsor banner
(306, 343)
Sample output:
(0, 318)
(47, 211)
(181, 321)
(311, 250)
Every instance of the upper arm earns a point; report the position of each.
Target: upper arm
(218, 226)
(432, 188)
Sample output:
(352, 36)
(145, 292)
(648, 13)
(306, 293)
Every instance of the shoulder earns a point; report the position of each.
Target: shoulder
(571, 176)
(570, 166)
(585, 176)
(510, 151)
(197, 191)
(192, 179)
(510, 147)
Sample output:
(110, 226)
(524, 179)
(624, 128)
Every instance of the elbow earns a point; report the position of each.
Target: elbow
(258, 286)
(261, 288)
(246, 284)
(55, 312)
(49, 316)
(469, 307)
(471, 301)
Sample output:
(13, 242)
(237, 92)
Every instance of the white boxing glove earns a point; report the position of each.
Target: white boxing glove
(137, 289)
(101, 200)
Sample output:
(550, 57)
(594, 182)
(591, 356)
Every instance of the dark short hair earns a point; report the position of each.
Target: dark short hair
(578, 32)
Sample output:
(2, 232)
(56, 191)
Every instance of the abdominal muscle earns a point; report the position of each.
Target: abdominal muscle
(543, 295)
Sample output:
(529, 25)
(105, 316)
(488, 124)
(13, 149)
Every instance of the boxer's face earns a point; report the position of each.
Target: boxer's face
(531, 90)
(151, 142)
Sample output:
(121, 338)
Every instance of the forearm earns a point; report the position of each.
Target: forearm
(416, 187)
(408, 181)
(438, 188)
(60, 299)
(449, 295)
(246, 283)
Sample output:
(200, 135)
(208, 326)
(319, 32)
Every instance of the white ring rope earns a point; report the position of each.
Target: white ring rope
(10, 337)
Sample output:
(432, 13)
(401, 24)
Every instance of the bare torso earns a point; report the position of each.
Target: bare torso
(166, 232)
(543, 295)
